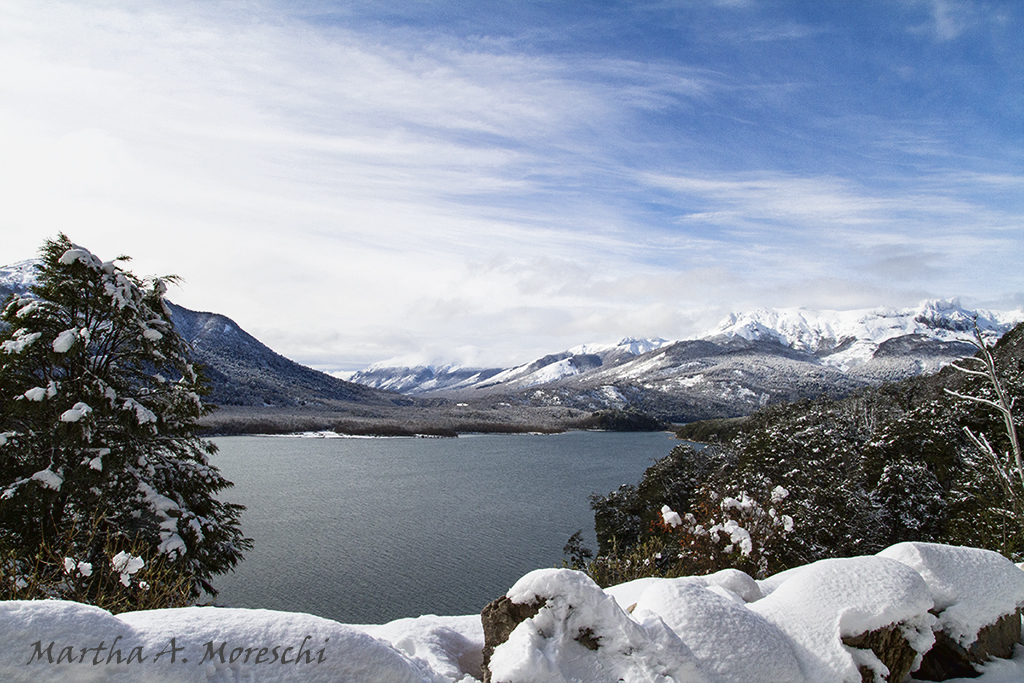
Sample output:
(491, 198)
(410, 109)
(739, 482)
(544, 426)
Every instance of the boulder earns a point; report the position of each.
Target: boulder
(853, 619)
(949, 659)
(500, 617)
(977, 594)
(733, 643)
(559, 625)
(891, 649)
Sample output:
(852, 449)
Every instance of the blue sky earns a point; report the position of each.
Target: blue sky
(485, 182)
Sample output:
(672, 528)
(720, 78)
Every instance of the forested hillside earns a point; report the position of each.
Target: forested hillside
(798, 482)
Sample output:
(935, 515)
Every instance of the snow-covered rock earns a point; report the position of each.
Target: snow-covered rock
(832, 599)
(978, 595)
(450, 646)
(739, 585)
(714, 629)
(971, 587)
(733, 643)
(581, 634)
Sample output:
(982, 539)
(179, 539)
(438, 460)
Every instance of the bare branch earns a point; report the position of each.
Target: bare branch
(976, 399)
(967, 371)
(1008, 468)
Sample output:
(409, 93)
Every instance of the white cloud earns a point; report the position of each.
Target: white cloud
(349, 195)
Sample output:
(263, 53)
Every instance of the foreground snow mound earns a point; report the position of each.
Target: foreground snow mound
(739, 585)
(450, 646)
(581, 634)
(732, 642)
(971, 587)
(831, 599)
(55, 640)
(834, 621)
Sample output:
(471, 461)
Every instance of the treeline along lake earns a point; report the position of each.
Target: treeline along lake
(371, 530)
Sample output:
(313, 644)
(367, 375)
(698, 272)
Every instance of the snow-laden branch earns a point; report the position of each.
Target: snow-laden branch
(1009, 468)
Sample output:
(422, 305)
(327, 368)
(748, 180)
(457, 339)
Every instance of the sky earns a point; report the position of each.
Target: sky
(485, 182)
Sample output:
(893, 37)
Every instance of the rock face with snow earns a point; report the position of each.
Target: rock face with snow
(733, 644)
(579, 633)
(852, 598)
(499, 618)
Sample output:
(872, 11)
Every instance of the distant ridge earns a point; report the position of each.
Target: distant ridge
(847, 339)
(748, 360)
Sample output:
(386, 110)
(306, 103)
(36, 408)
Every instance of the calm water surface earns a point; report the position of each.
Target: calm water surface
(371, 530)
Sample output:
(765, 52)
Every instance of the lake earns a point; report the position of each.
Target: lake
(371, 530)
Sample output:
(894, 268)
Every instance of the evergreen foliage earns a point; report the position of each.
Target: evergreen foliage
(903, 462)
(99, 451)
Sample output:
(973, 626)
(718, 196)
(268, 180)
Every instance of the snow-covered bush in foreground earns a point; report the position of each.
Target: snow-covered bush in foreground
(799, 626)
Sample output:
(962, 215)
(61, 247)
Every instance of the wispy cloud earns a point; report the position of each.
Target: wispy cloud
(354, 189)
(948, 19)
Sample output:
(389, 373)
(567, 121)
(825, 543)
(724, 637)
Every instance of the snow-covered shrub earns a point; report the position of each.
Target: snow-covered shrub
(716, 532)
(98, 410)
(655, 556)
(623, 517)
(732, 531)
(136, 578)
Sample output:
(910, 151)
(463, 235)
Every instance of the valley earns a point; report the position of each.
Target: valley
(748, 361)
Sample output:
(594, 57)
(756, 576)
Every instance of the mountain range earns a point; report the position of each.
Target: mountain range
(747, 361)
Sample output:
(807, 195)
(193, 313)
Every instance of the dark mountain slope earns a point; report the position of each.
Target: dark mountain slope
(245, 372)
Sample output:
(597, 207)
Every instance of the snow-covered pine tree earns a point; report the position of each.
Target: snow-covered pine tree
(99, 450)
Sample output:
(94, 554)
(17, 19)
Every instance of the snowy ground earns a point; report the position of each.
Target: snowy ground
(721, 628)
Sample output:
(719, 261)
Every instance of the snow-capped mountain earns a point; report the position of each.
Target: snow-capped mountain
(748, 360)
(745, 362)
(847, 339)
(577, 360)
(421, 378)
(17, 277)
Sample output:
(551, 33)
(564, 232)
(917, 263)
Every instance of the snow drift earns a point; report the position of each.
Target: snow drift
(720, 628)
